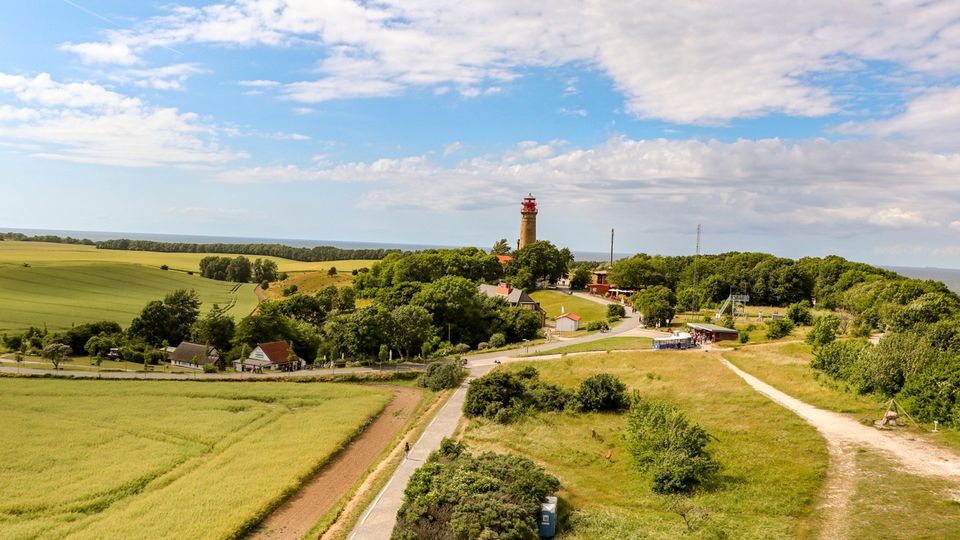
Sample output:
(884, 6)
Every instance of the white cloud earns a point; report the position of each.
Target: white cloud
(687, 62)
(85, 122)
(449, 149)
(170, 77)
(932, 118)
(259, 83)
(573, 112)
(834, 188)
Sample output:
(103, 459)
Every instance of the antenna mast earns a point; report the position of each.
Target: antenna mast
(696, 296)
(611, 248)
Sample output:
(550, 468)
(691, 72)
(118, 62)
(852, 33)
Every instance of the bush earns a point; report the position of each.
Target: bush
(497, 340)
(264, 284)
(461, 348)
(482, 346)
(664, 443)
(824, 331)
(209, 368)
(441, 375)
(602, 392)
(594, 325)
(799, 313)
(290, 290)
(744, 337)
(616, 311)
(494, 391)
(779, 328)
(164, 267)
(459, 495)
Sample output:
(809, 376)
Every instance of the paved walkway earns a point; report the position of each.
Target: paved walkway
(378, 520)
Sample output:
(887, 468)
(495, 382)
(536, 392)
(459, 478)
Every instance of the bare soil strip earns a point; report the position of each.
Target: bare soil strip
(295, 517)
(838, 491)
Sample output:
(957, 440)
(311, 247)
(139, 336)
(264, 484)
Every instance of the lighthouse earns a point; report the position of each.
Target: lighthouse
(528, 221)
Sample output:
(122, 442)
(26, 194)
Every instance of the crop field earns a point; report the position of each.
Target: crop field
(163, 459)
(41, 252)
(773, 463)
(552, 301)
(61, 294)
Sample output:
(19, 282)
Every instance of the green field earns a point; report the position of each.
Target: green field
(41, 252)
(552, 301)
(163, 459)
(773, 462)
(59, 295)
(617, 343)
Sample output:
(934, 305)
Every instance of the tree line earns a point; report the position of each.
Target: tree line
(304, 254)
(48, 238)
(238, 269)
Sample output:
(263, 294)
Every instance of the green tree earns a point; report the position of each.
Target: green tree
(602, 392)
(779, 328)
(501, 247)
(581, 277)
(542, 260)
(57, 353)
(635, 273)
(332, 271)
(454, 301)
(799, 313)
(824, 331)
(239, 270)
(216, 329)
(656, 304)
(411, 327)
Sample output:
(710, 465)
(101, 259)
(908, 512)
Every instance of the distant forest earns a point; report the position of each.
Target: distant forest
(315, 254)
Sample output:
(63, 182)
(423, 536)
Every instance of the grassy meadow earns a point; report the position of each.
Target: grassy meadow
(552, 301)
(41, 252)
(617, 343)
(163, 459)
(59, 295)
(773, 462)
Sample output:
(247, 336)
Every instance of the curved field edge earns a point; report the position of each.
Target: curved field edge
(774, 464)
(219, 487)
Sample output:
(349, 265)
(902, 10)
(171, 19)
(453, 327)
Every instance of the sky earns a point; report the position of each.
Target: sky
(800, 129)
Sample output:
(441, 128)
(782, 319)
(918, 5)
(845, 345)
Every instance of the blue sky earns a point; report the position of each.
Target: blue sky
(799, 131)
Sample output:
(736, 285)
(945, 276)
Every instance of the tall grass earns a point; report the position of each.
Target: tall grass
(773, 462)
(149, 459)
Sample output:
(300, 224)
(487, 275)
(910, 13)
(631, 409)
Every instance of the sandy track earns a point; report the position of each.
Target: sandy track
(296, 516)
(916, 456)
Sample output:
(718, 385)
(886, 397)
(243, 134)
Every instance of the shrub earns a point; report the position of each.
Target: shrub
(461, 348)
(459, 495)
(594, 325)
(779, 328)
(799, 313)
(744, 337)
(488, 394)
(837, 358)
(264, 284)
(497, 340)
(824, 331)
(482, 346)
(602, 392)
(290, 290)
(616, 311)
(209, 368)
(441, 375)
(665, 444)
(164, 267)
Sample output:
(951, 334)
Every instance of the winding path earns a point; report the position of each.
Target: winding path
(378, 520)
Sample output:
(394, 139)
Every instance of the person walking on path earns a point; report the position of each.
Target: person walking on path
(406, 449)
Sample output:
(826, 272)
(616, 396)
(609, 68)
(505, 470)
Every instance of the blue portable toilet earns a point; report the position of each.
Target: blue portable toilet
(548, 518)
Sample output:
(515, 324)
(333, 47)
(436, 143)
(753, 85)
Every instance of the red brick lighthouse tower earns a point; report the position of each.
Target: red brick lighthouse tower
(528, 221)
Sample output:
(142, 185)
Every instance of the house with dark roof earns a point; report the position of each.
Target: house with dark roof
(274, 355)
(193, 356)
(513, 296)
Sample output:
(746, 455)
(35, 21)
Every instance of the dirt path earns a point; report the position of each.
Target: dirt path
(916, 456)
(296, 516)
(838, 490)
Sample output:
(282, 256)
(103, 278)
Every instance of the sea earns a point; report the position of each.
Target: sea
(293, 242)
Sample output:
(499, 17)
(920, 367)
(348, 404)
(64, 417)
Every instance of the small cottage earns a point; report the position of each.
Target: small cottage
(568, 322)
(193, 356)
(274, 355)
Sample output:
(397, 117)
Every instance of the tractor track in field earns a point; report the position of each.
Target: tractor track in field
(295, 517)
